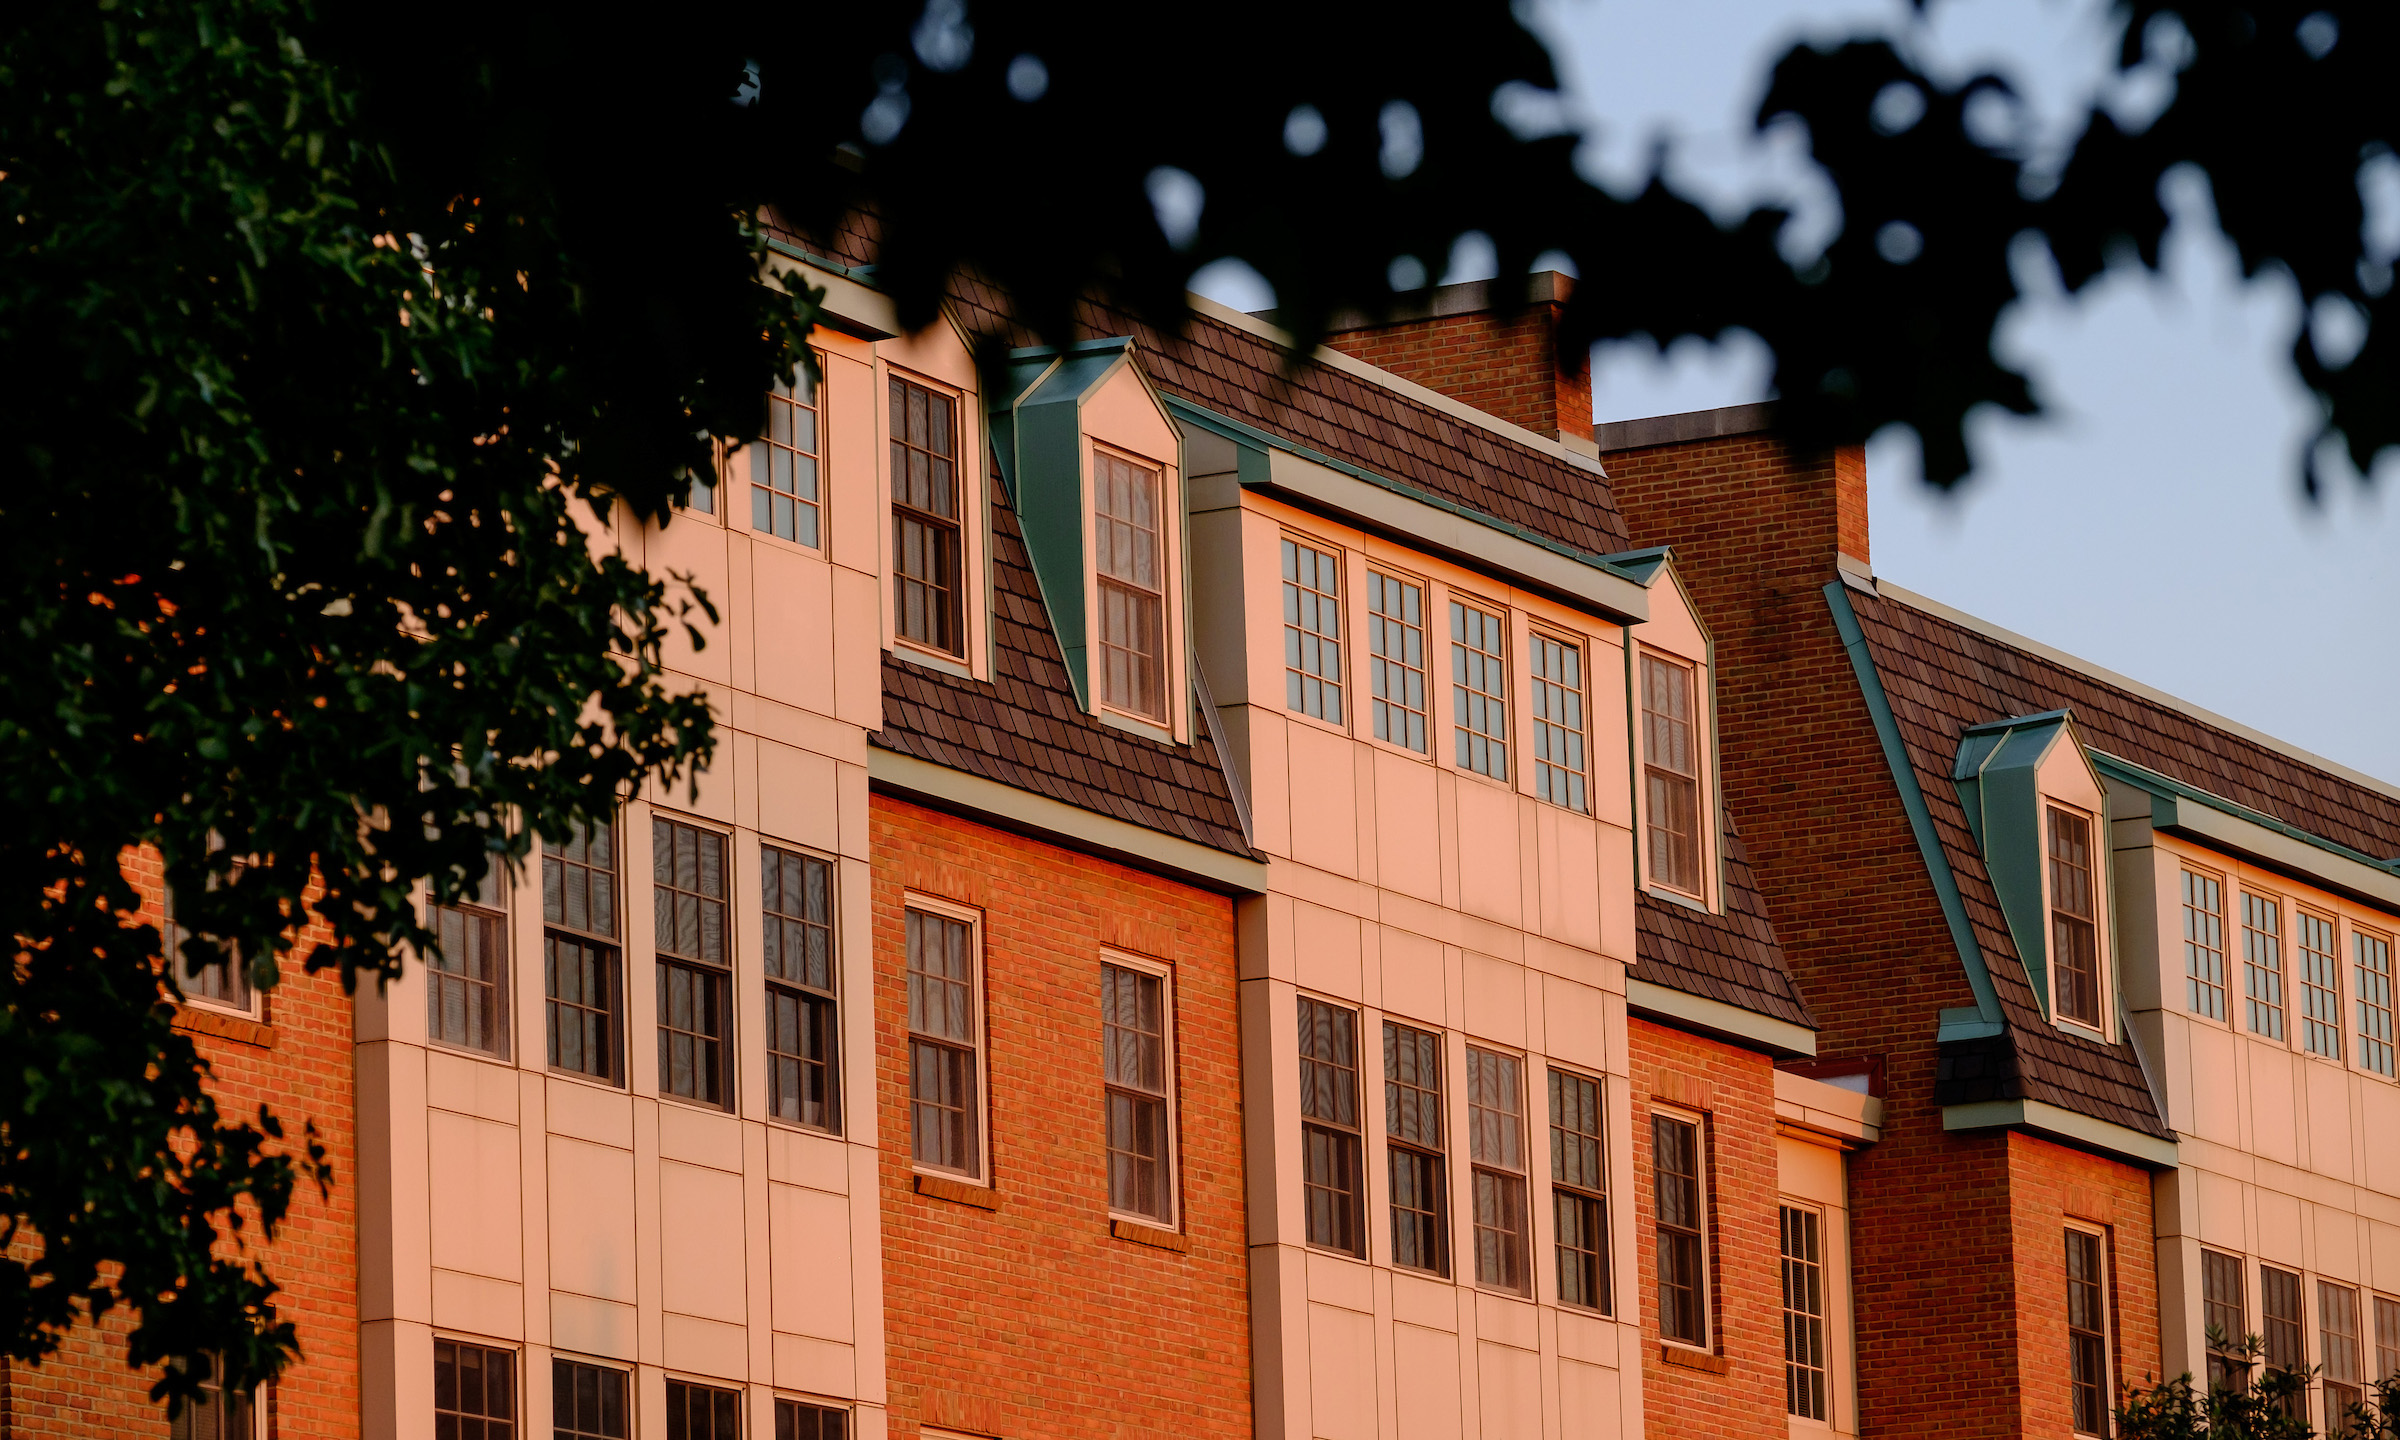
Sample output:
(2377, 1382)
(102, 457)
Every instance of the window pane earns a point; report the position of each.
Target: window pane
(687, 867)
(1396, 641)
(1581, 1214)
(2074, 959)
(702, 1412)
(1496, 1145)
(580, 980)
(466, 985)
(926, 538)
(1132, 585)
(2262, 965)
(1479, 690)
(693, 1025)
(795, 1420)
(1804, 1362)
(2287, 1345)
(1329, 1140)
(474, 1392)
(1558, 722)
(783, 463)
(1134, 1065)
(588, 1402)
(2087, 1334)
(2375, 1005)
(1412, 1111)
(2224, 1319)
(2320, 987)
(2204, 944)
(1675, 1167)
(1670, 774)
(1312, 632)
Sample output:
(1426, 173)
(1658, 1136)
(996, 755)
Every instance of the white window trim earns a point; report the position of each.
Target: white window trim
(1464, 1174)
(2228, 923)
(1834, 1302)
(1172, 1178)
(1707, 1344)
(1582, 646)
(1345, 607)
(1710, 841)
(2103, 961)
(2108, 1324)
(1361, 570)
(1174, 725)
(750, 970)
(733, 479)
(973, 919)
(1442, 679)
(974, 526)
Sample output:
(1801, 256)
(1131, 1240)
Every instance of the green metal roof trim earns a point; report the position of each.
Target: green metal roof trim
(1998, 780)
(863, 274)
(2145, 778)
(1984, 1019)
(1239, 432)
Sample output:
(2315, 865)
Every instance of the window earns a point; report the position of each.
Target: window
(2087, 1333)
(1329, 1141)
(803, 1034)
(2374, 1001)
(1682, 1277)
(687, 872)
(466, 985)
(945, 1107)
(702, 1412)
(2320, 988)
(2345, 1360)
(2387, 1338)
(1804, 1362)
(1579, 1191)
(783, 463)
(1312, 632)
(1558, 722)
(927, 539)
(2262, 965)
(1132, 572)
(2287, 1346)
(1670, 774)
(1412, 1125)
(217, 1413)
(1136, 1065)
(1396, 641)
(2074, 937)
(2225, 1320)
(474, 1392)
(581, 963)
(587, 1402)
(2204, 944)
(798, 1420)
(221, 983)
(1496, 1147)
(1479, 689)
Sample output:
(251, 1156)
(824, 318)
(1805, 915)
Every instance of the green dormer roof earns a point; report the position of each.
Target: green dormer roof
(1998, 778)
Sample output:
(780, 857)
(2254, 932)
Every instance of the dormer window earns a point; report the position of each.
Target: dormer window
(2074, 931)
(1671, 774)
(1132, 598)
(927, 538)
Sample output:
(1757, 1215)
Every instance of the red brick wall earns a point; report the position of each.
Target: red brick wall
(2049, 1184)
(1734, 1089)
(299, 1065)
(1034, 1320)
(1505, 366)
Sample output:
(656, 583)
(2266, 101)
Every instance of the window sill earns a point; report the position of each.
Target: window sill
(948, 664)
(963, 1192)
(1690, 1359)
(221, 1025)
(1133, 724)
(586, 1077)
(468, 1052)
(1140, 1233)
(1684, 898)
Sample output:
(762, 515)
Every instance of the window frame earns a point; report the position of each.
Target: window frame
(2312, 1026)
(516, 1381)
(2226, 1359)
(1817, 1224)
(1379, 574)
(172, 933)
(2351, 1343)
(1433, 1155)
(972, 519)
(2196, 985)
(2387, 1337)
(1502, 662)
(611, 944)
(1336, 604)
(1579, 697)
(1170, 1162)
(252, 1406)
(1353, 1133)
(1703, 1285)
(2274, 1006)
(978, 1005)
(1497, 1170)
(625, 1378)
(2296, 1322)
(2095, 840)
(1604, 1279)
(690, 1387)
(745, 457)
(501, 917)
(2374, 1008)
(1169, 540)
(2103, 1281)
(831, 999)
(720, 978)
(1705, 820)
(798, 1403)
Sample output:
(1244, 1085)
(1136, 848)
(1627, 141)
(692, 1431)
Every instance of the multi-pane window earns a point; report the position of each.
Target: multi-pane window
(1479, 689)
(582, 966)
(2262, 965)
(1396, 644)
(2320, 987)
(945, 1118)
(1136, 1066)
(2374, 997)
(1804, 1362)
(1670, 774)
(2074, 932)
(1496, 1147)
(1331, 1194)
(2387, 1338)
(928, 540)
(2204, 944)
(1677, 1185)
(783, 463)
(2345, 1355)
(1558, 722)
(223, 980)
(1579, 1191)
(1128, 558)
(703, 1412)
(466, 984)
(803, 1034)
(1312, 631)
(799, 1420)
(1412, 1125)
(588, 1402)
(474, 1392)
(2286, 1340)
(216, 1413)
(2087, 1333)
(695, 1020)
(2224, 1320)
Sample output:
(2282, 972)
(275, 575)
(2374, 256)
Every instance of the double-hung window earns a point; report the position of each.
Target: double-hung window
(2286, 1337)
(1412, 1127)
(799, 1420)
(1396, 646)
(1804, 1355)
(1479, 689)
(2204, 944)
(2224, 1320)
(695, 975)
(589, 1402)
(2262, 964)
(702, 1412)
(1331, 1195)
(474, 1392)
(2345, 1355)
(945, 1045)
(1680, 1188)
(1558, 774)
(217, 1412)
(2074, 928)
(466, 983)
(2320, 987)
(2374, 995)
(1312, 631)
(783, 463)
(1131, 566)
(582, 963)
(1579, 1191)
(928, 536)
(1137, 1071)
(1671, 774)
(2088, 1385)
(1496, 1149)
(803, 1018)
(221, 982)
(2387, 1338)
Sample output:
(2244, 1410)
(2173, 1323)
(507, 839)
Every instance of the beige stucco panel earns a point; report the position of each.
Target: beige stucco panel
(2325, 1098)
(808, 1235)
(1324, 791)
(1408, 855)
(1341, 1365)
(852, 456)
(591, 1219)
(700, 1264)
(1326, 944)
(1589, 1401)
(473, 1167)
(1412, 977)
(1425, 1376)
(794, 621)
(1490, 870)
(693, 545)
(2274, 1129)
(1509, 1392)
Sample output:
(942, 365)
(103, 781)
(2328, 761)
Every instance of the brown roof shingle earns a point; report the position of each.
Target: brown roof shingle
(1733, 958)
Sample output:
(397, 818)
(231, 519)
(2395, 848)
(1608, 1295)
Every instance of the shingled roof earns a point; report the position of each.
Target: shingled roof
(1732, 958)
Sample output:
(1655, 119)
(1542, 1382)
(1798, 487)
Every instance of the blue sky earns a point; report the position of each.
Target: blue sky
(2153, 521)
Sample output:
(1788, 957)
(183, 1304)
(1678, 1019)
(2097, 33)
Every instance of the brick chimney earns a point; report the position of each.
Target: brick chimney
(1467, 342)
(1723, 478)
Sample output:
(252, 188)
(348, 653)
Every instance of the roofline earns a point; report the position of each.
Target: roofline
(1717, 424)
(1717, 1020)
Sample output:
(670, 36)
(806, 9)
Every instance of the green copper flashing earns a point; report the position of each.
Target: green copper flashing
(1912, 800)
(1998, 775)
(2166, 787)
(2067, 1127)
